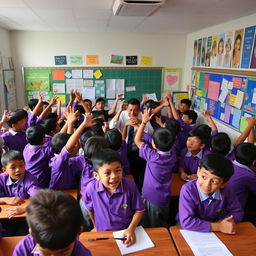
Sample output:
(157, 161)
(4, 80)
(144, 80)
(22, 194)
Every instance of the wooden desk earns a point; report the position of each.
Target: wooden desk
(176, 184)
(4, 212)
(242, 243)
(72, 192)
(159, 236)
(7, 245)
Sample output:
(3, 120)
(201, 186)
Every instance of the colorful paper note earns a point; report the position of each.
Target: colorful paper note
(76, 59)
(97, 74)
(58, 88)
(77, 73)
(88, 83)
(236, 117)
(60, 60)
(237, 82)
(116, 59)
(232, 99)
(227, 113)
(213, 90)
(62, 98)
(88, 73)
(146, 60)
(58, 75)
(92, 59)
(239, 99)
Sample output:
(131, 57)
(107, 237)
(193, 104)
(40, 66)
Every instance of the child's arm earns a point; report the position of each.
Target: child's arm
(91, 215)
(81, 102)
(226, 225)
(11, 200)
(36, 110)
(145, 118)
(173, 109)
(112, 111)
(72, 99)
(58, 105)
(16, 210)
(88, 121)
(251, 122)
(129, 233)
(5, 118)
(160, 107)
(117, 115)
(46, 111)
(209, 119)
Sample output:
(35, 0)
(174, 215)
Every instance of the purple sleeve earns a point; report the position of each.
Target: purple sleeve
(87, 197)
(147, 153)
(142, 107)
(33, 186)
(186, 128)
(147, 138)
(213, 133)
(25, 246)
(187, 209)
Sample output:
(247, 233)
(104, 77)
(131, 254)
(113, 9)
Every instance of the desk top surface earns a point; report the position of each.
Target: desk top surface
(242, 243)
(176, 184)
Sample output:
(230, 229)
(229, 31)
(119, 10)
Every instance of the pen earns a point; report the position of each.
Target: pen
(106, 238)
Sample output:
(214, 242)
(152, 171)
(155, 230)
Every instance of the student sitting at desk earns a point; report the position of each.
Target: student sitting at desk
(113, 202)
(15, 183)
(55, 221)
(207, 204)
(158, 175)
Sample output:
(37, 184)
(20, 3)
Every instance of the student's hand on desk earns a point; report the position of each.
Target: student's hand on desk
(16, 210)
(14, 201)
(94, 230)
(184, 176)
(227, 225)
(130, 237)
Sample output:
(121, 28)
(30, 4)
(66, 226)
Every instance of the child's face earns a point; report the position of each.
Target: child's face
(194, 144)
(20, 125)
(186, 119)
(60, 252)
(208, 182)
(228, 48)
(110, 175)
(100, 105)
(237, 45)
(15, 169)
(183, 107)
(220, 49)
(88, 104)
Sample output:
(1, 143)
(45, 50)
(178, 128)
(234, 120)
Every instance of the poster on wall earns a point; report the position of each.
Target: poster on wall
(38, 80)
(199, 49)
(203, 52)
(172, 78)
(194, 53)
(237, 48)
(208, 51)
(247, 47)
(213, 59)
(228, 49)
(253, 57)
(220, 50)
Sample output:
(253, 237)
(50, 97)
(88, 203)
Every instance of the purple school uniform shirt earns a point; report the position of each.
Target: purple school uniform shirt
(32, 120)
(242, 182)
(15, 140)
(113, 212)
(153, 121)
(65, 172)
(23, 188)
(27, 246)
(158, 174)
(197, 210)
(123, 154)
(191, 163)
(37, 159)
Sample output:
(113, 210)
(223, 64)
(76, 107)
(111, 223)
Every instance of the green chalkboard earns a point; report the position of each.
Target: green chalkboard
(143, 80)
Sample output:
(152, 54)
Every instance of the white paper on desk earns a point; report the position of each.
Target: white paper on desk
(89, 93)
(143, 241)
(152, 96)
(205, 243)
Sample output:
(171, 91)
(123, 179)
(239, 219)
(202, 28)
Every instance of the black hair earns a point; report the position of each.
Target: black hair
(114, 138)
(50, 125)
(206, 129)
(59, 140)
(148, 102)
(173, 125)
(199, 134)
(35, 134)
(154, 104)
(105, 156)
(86, 135)
(51, 115)
(133, 101)
(93, 145)
(99, 99)
(186, 101)
(45, 103)
(16, 116)
(163, 139)
(32, 103)
(220, 143)
(218, 165)
(245, 153)
(191, 115)
(11, 156)
(87, 100)
(80, 109)
(55, 219)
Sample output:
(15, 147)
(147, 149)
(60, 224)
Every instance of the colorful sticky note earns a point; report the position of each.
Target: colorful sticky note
(62, 98)
(97, 74)
(76, 60)
(92, 59)
(146, 60)
(213, 90)
(58, 75)
(232, 99)
(199, 93)
(237, 82)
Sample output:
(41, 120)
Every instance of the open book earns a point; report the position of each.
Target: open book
(143, 241)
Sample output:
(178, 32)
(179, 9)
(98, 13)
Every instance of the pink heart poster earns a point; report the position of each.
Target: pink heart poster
(171, 80)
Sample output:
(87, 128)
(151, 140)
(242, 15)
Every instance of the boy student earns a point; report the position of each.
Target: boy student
(37, 155)
(52, 127)
(55, 221)
(157, 180)
(65, 173)
(243, 181)
(183, 106)
(15, 183)
(207, 204)
(113, 202)
(126, 121)
(191, 156)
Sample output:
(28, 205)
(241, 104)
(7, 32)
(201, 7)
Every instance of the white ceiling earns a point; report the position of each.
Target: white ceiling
(176, 16)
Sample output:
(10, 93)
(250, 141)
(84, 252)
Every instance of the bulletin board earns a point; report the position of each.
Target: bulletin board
(230, 98)
(59, 81)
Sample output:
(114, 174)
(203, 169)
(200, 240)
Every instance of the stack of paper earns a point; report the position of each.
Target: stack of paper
(143, 241)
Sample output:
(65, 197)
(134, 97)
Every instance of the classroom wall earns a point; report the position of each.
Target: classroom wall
(39, 49)
(225, 27)
(5, 49)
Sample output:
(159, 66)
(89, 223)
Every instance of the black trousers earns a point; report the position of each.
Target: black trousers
(137, 167)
